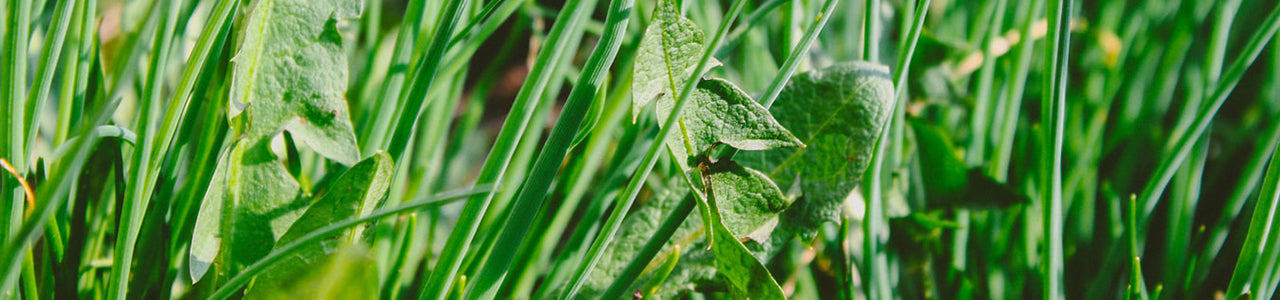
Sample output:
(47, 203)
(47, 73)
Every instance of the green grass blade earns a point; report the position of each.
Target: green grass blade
(1180, 143)
(552, 155)
(568, 25)
(12, 125)
(143, 175)
(1257, 255)
(874, 259)
(800, 53)
(1054, 110)
(44, 73)
(411, 105)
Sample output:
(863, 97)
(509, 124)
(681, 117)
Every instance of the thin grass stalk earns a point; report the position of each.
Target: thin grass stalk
(78, 61)
(980, 126)
(1250, 180)
(410, 106)
(1250, 270)
(871, 31)
(581, 176)
(378, 117)
(874, 260)
(623, 163)
(1180, 143)
(1054, 110)
(14, 77)
(502, 207)
(496, 164)
(145, 162)
(62, 174)
(44, 72)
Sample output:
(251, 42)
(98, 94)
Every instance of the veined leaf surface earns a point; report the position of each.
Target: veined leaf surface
(837, 112)
(291, 73)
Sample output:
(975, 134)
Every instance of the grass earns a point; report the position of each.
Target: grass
(146, 159)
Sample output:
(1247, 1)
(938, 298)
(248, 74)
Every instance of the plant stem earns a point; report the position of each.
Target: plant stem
(440, 281)
(1054, 110)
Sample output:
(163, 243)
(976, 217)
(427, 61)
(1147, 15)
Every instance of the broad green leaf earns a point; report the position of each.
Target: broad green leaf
(667, 56)
(721, 113)
(349, 272)
(263, 201)
(745, 274)
(949, 183)
(837, 112)
(355, 194)
(205, 238)
(749, 201)
(291, 73)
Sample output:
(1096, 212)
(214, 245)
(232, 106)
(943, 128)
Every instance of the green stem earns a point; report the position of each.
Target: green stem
(144, 165)
(411, 104)
(1054, 110)
(1179, 146)
(567, 25)
(874, 259)
(44, 74)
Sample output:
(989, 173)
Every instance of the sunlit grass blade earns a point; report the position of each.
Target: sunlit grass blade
(530, 198)
(44, 72)
(874, 259)
(567, 25)
(1054, 111)
(145, 161)
(410, 106)
(1179, 145)
(1258, 259)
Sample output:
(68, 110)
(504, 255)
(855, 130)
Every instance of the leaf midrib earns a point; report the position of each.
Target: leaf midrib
(795, 156)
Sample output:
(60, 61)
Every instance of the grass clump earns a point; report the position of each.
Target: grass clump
(582, 149)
